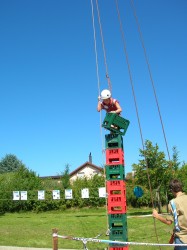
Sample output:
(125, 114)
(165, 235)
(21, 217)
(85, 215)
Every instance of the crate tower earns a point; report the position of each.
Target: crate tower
(115, 179)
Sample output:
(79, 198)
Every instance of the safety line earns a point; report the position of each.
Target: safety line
(131, 81)
(153, 86)
(98, 80)
(95, 48)
(150, 74)
(97, 70)
(136, 106)
(103, 46)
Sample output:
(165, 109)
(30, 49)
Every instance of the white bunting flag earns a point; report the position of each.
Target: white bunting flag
(68, 194)
(23, 195)
(102, 192)
(85, 193)
(56, 194)
(16, 196)
(41, 195)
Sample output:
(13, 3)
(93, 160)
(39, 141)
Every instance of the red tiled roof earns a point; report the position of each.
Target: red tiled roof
(84, 165)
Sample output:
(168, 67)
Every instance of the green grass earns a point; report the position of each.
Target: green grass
(35, 230)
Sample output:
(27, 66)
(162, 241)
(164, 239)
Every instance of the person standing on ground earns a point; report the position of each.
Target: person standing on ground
(178, 214)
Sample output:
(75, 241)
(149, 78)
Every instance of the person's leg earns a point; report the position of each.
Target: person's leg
(178, 241)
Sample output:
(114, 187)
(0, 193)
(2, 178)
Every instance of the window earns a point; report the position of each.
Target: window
(80, 174)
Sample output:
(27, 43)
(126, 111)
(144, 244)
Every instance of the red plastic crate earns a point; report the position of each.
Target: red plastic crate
(118, 248)
(116, 185)
(117, 208)
(116, 198)
(115, 156)
(117, 192)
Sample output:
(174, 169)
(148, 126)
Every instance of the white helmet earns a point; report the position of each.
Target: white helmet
(105, 94)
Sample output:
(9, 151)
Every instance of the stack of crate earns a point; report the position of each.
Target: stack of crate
(115, 182)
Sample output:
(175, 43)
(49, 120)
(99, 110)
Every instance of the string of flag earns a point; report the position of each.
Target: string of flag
(56, 194)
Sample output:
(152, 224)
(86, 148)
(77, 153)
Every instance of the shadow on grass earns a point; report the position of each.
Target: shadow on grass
(89, 215)
(23, 217)
(139, 213)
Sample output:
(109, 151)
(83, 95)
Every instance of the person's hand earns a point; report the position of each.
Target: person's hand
(155, 213)
(99, 98)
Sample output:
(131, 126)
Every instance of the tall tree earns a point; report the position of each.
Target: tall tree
(153, 167)
(175, 158)
(66, 177)
(10, 163)
(26, 179)
(181, 175)
(154, 161)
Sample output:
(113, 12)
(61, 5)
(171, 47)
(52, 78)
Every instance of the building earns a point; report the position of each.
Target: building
(88, 169)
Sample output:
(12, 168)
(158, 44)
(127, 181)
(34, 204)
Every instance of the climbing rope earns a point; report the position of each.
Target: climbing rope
(136, 107)
(131, 81)
(98, 81)
(150, 74)
(103, 46)
(97, 71)
(153, 85)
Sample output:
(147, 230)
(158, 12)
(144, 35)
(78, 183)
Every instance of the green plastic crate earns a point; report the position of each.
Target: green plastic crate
(113, 218)
(118, 233)
(118, 227)
(115, 123)
(113, 141)
(115, 172)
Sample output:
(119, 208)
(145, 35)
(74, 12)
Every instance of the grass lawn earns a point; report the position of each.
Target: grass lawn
(35, 230)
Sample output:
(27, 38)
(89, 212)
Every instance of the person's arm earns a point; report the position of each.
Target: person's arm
(99, 106)
(118, 110)
(161, 218)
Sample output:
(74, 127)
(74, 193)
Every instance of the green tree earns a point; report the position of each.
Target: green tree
(175, 158)
(153, 170)
(153, 165)
(181, 175)
(10, 163)
(66, 177)
(25, 179)
(21, 180)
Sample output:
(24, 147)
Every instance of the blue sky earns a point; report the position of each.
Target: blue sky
(49, 84)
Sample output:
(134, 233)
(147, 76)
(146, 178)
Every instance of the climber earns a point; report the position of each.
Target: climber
(106, 102)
